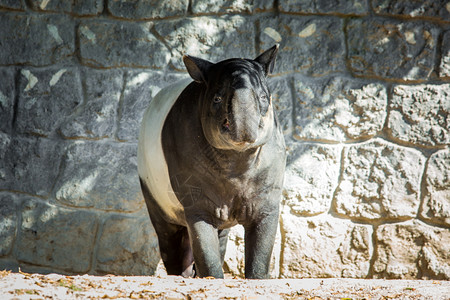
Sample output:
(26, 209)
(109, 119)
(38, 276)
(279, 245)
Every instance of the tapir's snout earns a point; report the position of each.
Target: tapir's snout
(243, 137)
(244, 118)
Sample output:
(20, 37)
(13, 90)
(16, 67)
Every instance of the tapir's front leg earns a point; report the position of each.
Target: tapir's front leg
(259, 240)
(205, 245)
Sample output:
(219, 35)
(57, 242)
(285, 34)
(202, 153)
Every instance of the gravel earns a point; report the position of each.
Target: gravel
(54, 286)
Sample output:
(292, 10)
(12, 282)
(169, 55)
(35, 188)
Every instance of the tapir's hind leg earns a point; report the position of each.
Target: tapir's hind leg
(188, 257)
(174, 245)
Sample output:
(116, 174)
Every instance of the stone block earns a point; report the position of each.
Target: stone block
(282, 102)
(140, 88)
(392, 49)
(308, 45)
(210, 38)
(263, 5)
(33, 269)
(379, 181)
(412, 250)
(220, 6)
(420, 114)
(444, 66)
(47, 97)
(311, 177)
(128, 245)
(12, 4)
(352, 7)
(234, 262)
(97, 116)
(133, 45)
(7, 94)
(88, 7)
(436, 204)
(8, 222)
(338, 109)
(37, 40)
(147, 9)
(29, 165)
(56, 237)
(5, 142)
(9, 265)
(437, 9)
(100, 175)
(322, 247)
(77, 7)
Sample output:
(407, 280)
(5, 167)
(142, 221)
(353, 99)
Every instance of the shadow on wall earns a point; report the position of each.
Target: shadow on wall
(360, 89)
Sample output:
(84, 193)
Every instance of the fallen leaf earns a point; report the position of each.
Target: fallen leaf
(4, 273)
(27, 275)
(26, 291)
(38, 283)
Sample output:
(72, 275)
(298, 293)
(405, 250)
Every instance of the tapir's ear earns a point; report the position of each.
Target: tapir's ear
(267, 59)
(197, 67)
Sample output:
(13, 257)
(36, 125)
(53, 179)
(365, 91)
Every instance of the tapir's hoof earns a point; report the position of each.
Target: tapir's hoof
(189, 271)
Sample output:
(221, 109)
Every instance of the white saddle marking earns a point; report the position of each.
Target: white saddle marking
(152, 166)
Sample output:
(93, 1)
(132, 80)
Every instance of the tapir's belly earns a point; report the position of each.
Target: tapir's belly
(152, 165)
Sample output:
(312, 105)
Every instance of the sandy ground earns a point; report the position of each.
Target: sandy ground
(36, 286)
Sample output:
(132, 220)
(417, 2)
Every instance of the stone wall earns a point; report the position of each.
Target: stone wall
(362, 89)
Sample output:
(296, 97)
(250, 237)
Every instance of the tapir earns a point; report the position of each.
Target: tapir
(211, 154)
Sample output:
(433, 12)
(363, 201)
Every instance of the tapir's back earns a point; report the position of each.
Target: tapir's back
(152, 166)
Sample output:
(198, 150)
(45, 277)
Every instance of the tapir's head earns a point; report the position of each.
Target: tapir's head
(236, 108)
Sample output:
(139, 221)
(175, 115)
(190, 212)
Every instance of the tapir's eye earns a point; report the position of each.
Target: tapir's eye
(264, 97)
(217, 99)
